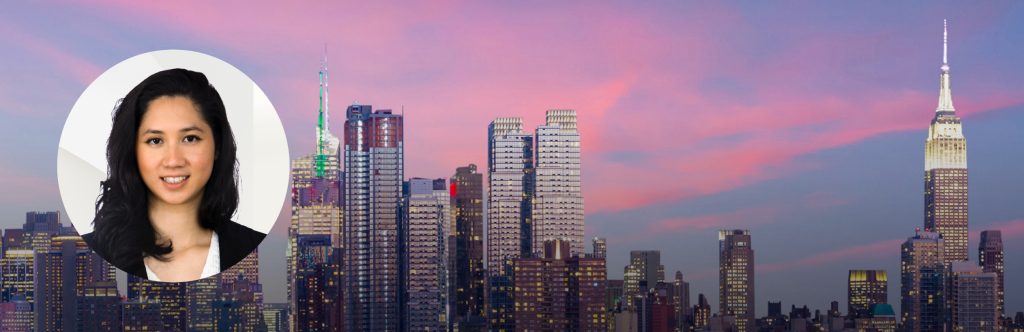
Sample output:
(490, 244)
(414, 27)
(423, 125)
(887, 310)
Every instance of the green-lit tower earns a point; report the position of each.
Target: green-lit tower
(322, 129)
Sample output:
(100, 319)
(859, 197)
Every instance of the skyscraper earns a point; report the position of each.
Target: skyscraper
(922, 283)
(645, 266)
(866, 287)
(509, 198)
(98, 307)
(173, 298)
(141, 315)
(990, 256)
(274, 314)
(316, 298)
(701, 312)
(681, 301)
(18, 266)
(468, 212)
(16, 315)
(736, 277)
(971, 299)
(249, 268)
(201, 295)
(316, 190)
(945, 174)
(559, 291)
(558, 202)
(63, 270)
(425, 230)
(374, 170)
(600, 247)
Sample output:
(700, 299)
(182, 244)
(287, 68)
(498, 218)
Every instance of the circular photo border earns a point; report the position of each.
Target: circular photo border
(263, 159)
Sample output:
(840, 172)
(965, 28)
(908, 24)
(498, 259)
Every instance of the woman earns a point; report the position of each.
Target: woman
(164, 212)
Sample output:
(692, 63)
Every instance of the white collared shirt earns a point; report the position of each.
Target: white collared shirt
(212, 266)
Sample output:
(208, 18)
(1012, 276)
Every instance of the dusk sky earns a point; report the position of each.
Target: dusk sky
(802, 122)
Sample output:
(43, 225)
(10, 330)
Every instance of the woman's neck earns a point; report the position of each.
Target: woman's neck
(177, 223)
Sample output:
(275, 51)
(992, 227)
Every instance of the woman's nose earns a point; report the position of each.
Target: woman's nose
(174, 156)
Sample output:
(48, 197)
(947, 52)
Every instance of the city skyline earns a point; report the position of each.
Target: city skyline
(807, 200)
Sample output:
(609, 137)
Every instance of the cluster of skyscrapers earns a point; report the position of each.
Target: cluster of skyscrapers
(941, 290)
(407, 254)
(370, 249)
(52, 281)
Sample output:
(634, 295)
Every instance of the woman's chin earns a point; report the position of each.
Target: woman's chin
(175, 199)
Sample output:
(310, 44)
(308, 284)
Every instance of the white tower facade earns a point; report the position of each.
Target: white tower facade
(558, 202)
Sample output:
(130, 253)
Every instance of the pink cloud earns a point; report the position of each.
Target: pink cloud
(16, 187)
(742, 218)
(457, 65)
(889, 247)
(1012, 232)
(82, 70)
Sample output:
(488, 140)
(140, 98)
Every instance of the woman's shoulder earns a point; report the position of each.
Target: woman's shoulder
(235, 242)
(233, 231)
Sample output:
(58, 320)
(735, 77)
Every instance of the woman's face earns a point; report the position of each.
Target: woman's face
(176, 151)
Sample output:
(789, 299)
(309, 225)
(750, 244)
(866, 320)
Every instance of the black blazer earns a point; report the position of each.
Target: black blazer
(236, 242)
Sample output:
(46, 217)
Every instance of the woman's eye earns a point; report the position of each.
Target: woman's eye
(191, 139)
(154, 141)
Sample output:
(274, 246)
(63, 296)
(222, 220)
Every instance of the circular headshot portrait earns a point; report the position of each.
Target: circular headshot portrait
(173, 166)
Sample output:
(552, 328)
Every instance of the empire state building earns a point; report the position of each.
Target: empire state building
(945, 174)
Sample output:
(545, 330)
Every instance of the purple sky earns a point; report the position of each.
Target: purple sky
(803, 123)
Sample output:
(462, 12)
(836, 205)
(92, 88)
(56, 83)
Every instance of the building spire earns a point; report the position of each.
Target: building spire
(322, 128)
(945, 95)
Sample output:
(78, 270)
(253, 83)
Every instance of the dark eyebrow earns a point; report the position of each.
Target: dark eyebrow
(186, 129)
(191, 128)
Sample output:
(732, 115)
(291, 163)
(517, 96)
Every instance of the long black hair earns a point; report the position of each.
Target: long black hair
(123, 234)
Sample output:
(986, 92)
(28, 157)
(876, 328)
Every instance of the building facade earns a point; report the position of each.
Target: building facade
(701, 312)
(468, 213)
(558, 201)
(317, 284)
(680, 298)
(559, 291)
(972, 304)
(736, 278)
(139, 315)
(922, 283)
(374, 170)
(865, 288)
(62, 271)
(600, 247)
(199, 307)
(173, 298)
(509, 199)
(16, 315)
(425, 231)
(643, 273)
(18, 274)
(98, 307)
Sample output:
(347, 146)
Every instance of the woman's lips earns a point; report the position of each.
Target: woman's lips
(174, 182)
